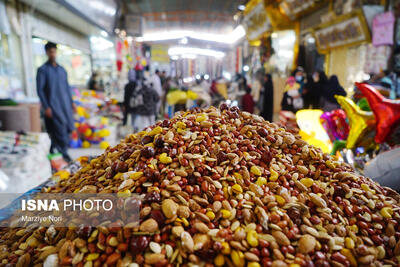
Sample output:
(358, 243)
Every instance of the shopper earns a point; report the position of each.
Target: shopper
(268, 103)
(144, 102)
(128, 92)
(333, 88)
(93, 83)
(314, 89)
(299, 77)
(56, 99)
(248, 101)
(156, 81)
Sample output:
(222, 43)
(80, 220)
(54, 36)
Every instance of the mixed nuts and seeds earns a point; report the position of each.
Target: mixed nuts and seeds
(221, 187)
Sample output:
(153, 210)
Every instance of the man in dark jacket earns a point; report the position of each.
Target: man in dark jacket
(56, 99)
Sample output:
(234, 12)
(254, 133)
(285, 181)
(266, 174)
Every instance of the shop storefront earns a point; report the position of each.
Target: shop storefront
(11, 71)
(76, 62)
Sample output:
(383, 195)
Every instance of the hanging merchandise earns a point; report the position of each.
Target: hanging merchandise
(383, 28)
(387, 112)
(361, 122)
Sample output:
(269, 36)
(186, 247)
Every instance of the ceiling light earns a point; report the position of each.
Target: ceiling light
(189, 56)
(206, 76)
(184, 40)
(174, 57)
(230, 38)
(176, 51)
(311, 40)
(241, 7)
(129, 38)
(198, 76)
(274, 35)
(246, 68)
(104, 33)
(227, 75)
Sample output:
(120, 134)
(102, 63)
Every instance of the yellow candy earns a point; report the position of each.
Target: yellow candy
(254, 264)
(308, 182)
(281, 201)
(219, 260)
(104, 144)
(252, 238)
(237, 258)
(261, 181)
(255, 170)
(155, 131)
(237, 189)
(225, 213)
(294, 265)
(249, 134)
(92, 256)
(350, 257)
(210, 215)
(349, 242)
(274, 175)
(185, 222)
(226, 249)
(124, 194)
(136, 175)
(387, 212)
(165, 159)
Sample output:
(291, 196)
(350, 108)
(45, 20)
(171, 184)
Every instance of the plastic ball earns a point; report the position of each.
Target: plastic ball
(86, 144)
(88, 132)
(104, 144)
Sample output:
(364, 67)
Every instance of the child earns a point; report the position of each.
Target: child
(247, 101)
(292, 99)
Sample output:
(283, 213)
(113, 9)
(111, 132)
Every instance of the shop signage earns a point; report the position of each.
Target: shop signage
(347, 30)
(256, 21)
(295, 8)
(383, 28)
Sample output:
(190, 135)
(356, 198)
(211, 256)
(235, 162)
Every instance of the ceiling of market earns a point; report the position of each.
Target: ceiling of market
(216, 16)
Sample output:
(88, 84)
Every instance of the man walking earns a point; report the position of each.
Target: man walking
(55, 97)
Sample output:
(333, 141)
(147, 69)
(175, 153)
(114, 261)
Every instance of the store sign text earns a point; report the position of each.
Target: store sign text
(340, 34)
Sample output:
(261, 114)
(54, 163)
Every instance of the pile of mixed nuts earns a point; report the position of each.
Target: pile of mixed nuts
(221, 187)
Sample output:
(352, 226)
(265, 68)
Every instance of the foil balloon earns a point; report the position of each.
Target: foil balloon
(387, 112)
(360, 122)
(335, 124)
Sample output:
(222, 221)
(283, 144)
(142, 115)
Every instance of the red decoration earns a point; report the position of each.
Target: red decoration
(119, 65)
(387, 112)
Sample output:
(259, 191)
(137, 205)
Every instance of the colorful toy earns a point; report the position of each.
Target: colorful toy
(387, 112)
(360, 122)
(335, 124)
(311, 129)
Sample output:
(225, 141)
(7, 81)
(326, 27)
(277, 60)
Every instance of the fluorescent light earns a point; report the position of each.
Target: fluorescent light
(174, 57)
(182, 51)
(311, 40)
(246, 68)
(274, 35)
(230, 38)
(100, 44)
(206, 76)
(129, 38)
(184, 40)
(189, 56)
(241, 7)
(104, 33)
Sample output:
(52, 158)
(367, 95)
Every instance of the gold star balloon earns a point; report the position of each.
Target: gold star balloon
(361, 122)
